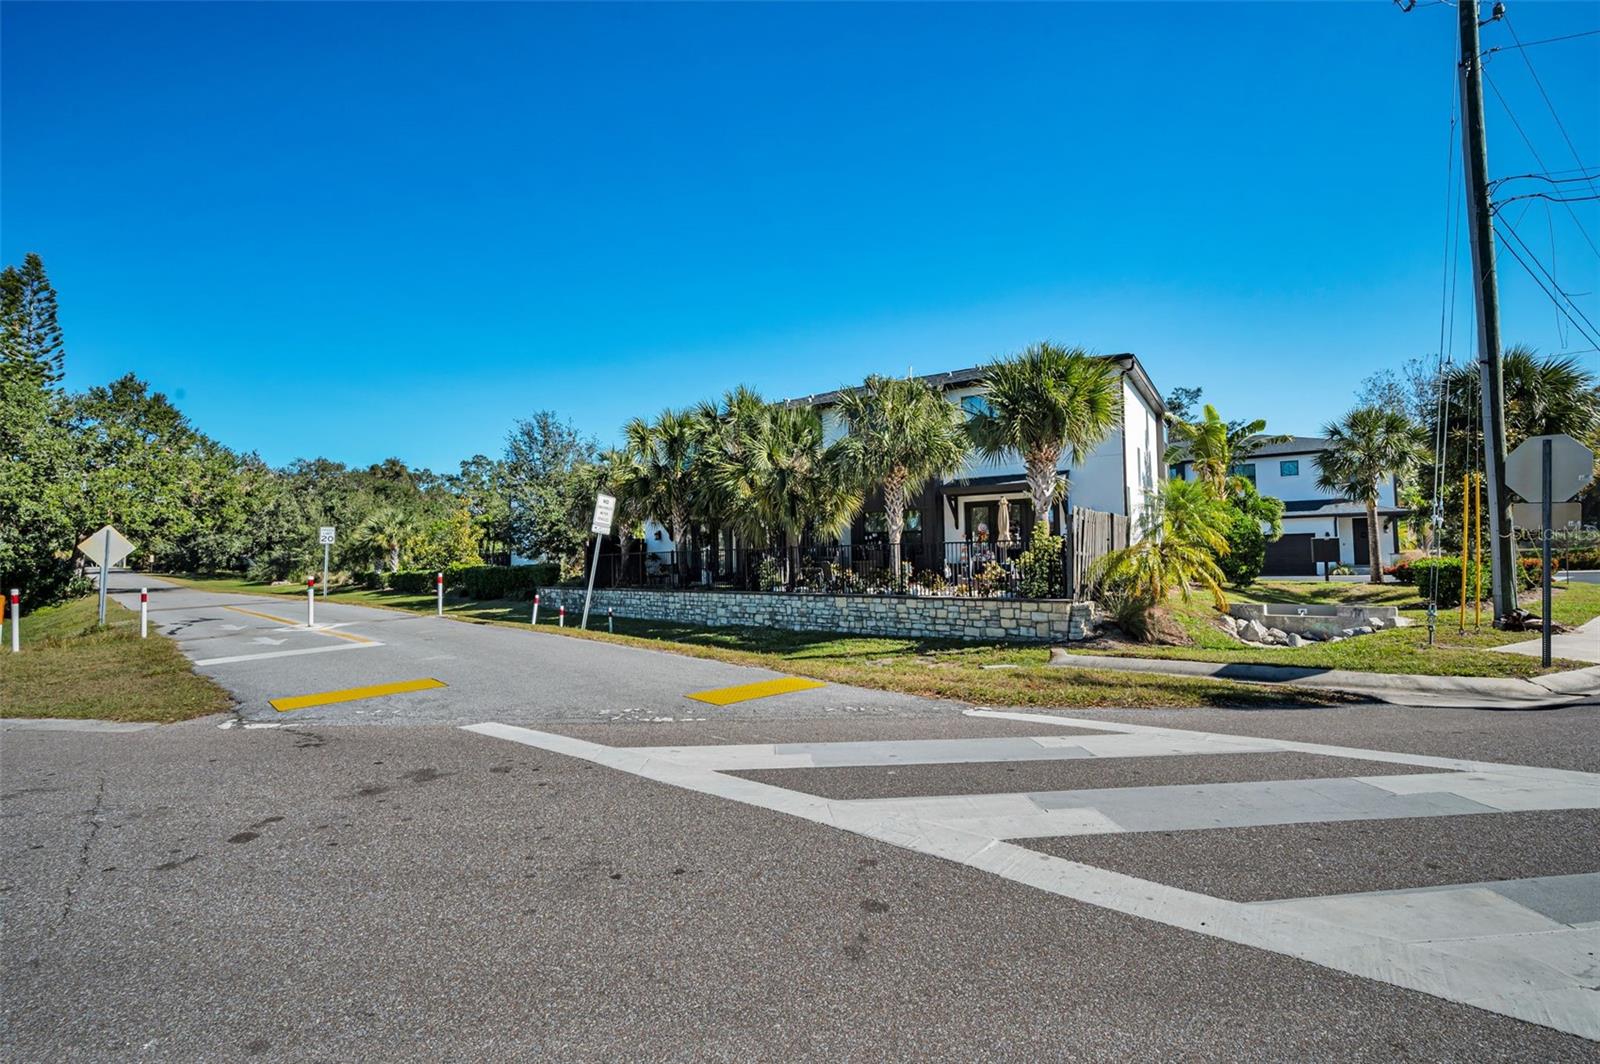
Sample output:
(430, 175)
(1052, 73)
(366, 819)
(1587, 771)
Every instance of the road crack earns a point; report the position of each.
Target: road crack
(82, 870)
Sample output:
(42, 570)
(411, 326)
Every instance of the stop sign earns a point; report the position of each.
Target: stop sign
(1571, 468)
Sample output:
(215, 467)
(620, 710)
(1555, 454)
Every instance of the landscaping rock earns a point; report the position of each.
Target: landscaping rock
(1296, 640)
(1253, 631)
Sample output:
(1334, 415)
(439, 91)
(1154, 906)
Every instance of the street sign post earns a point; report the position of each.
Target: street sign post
(1547, 470)
(325, 537)
(105, 548)
(605, 509)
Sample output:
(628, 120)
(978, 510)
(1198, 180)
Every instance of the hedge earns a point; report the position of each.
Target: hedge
(471, 581)
(1449, 570)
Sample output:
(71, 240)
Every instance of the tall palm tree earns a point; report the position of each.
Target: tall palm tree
(787, 480)
(384, 533)
(1545, 396)
(1183, 528)
(725, 428)
(1215, 446)
(1047, 402)
(663, 453)
(899, 434)
(1369, 444)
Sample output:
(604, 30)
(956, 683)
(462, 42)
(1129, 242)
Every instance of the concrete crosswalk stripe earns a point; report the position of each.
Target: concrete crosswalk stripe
(1351, 933)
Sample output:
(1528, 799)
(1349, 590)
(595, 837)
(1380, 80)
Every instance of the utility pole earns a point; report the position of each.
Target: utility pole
(1475, 154)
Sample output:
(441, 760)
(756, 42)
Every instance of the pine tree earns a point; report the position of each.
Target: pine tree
(30, 340)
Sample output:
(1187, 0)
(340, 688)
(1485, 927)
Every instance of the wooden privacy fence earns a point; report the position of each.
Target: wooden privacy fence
(1091, 536)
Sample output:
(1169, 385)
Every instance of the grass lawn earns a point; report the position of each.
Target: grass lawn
(71, 668)
(984, 674)
(1399, 650)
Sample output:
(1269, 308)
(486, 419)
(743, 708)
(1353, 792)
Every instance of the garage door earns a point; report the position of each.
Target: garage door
(1290, 556)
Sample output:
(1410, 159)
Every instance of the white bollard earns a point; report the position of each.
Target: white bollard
(311, 602)
(16, 621)
(535, 619)
(438, 583)
(609, 627)
(562, 617)
(144, 613)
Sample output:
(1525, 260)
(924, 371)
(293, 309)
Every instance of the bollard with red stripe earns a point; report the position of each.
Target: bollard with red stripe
(16, 620)
(311, 602)
(535, 619)
(438, 583)
(144, 613)
(562, 622)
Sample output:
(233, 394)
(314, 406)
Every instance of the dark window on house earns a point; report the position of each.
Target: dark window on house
(877, 522)
(974, 404)
(1174, 472)
(1290, 468)
(1244, 469)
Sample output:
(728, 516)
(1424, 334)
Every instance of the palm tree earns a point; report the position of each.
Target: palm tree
(724, 432)
(899, 434)
(1369, 444)
(1545, 396)
(1216, 446)
(786, 481)
(1047, 402)
(384, 533)
(1182, 530)
(663, 453)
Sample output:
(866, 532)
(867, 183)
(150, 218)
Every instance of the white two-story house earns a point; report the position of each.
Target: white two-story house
(1289, 471)
(967, 507)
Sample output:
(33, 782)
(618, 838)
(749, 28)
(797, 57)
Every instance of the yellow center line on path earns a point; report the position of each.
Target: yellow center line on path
(351, 636)
(352, 694)
(727, 696)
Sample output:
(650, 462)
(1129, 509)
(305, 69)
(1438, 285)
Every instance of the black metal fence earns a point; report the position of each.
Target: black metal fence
(980, 568)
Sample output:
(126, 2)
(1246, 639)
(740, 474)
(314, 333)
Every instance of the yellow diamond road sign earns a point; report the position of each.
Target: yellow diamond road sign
(94, 547)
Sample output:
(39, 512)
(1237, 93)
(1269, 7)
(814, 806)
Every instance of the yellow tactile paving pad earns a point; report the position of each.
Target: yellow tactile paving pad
(352, 694)
(727, 696)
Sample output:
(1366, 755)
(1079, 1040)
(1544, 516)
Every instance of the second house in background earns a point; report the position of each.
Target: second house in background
(1289, 471)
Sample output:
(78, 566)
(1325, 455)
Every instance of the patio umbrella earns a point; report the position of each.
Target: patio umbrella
(1003, 523)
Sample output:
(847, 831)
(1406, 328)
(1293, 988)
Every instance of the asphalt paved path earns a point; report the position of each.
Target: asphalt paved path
(259, 648)
(381, 885)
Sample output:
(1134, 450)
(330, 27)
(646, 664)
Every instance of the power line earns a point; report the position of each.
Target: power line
(1523, 45)
(1543, 196)
(1536, 156)
(1573, 148)
(1576, 324)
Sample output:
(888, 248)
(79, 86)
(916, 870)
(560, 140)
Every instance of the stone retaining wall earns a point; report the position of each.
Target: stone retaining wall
(1023, 620)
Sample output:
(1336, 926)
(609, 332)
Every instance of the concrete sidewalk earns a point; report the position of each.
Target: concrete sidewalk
(1580, 645)
(1557, 689)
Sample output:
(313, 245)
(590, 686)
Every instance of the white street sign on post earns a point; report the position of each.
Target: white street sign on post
(1529, 516)
(105, 548)
(325, 537)
(605, 508)
(1571, 468)
(1547, 470)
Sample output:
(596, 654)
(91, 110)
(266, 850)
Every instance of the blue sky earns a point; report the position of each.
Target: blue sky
(363, 230)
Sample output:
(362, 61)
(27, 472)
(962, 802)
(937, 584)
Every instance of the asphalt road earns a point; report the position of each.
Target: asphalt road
(385, 885)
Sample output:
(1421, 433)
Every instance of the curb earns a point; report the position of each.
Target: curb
(1465, 691)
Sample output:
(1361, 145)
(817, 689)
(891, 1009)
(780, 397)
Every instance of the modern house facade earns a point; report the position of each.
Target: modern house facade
(1289, 471)
(987, 500)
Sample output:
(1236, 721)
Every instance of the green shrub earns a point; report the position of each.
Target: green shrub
(1449, 572)
(501, 581)
(1039, 568)
(1247, 551)
(410, 581)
